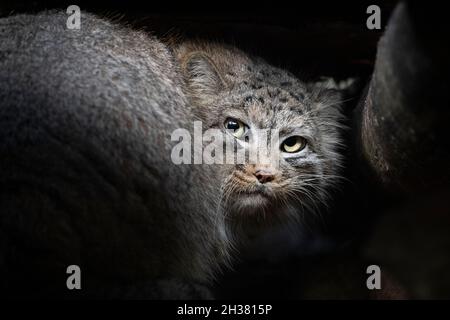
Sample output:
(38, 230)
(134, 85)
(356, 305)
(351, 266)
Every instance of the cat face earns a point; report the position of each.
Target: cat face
(263, 108)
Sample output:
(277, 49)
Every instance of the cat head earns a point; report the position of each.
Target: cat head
(261, 107)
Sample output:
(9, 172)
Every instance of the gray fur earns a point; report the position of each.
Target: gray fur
(86, 176)
(84, 119)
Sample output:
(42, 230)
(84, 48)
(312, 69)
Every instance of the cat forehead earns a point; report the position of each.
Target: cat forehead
(273, 96)
(268, 113)
(277, 103)
(263, 82)
(258, 72)
(269, 97)
(270, 116)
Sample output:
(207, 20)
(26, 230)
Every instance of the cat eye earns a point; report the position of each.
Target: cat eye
(293, 144)
(237, 128)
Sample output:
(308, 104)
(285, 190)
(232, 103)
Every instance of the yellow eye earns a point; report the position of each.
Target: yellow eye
(293, 144)
(236, 127)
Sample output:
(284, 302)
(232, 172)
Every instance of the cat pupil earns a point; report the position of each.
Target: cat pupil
(290, 141)
(232, 125)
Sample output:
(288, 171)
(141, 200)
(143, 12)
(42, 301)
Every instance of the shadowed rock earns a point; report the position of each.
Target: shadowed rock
(403, 119)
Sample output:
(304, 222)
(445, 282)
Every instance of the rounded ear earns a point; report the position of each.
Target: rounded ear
(332, 93)
(342, 88)
(202, 74)
(331, 83)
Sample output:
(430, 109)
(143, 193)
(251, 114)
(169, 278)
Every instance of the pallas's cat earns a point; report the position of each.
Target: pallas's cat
(87, 174)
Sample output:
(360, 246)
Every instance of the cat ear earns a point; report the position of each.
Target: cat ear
(336, 90)
(329, 92)
(202, 75)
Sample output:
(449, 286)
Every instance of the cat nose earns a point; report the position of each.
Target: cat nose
(264, 175)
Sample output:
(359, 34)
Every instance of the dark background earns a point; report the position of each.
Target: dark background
(311, 39)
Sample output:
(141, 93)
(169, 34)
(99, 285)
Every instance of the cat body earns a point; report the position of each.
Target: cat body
(87, 177)
(85, 116)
